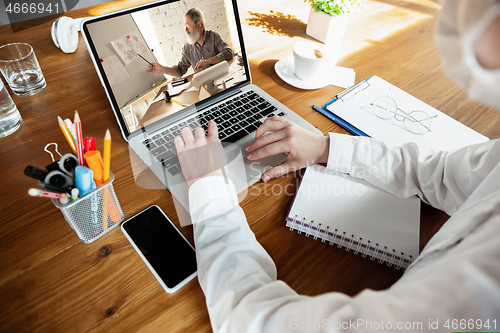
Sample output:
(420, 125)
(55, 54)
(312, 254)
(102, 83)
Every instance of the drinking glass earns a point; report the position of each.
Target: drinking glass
(10, 118)
(20, 69)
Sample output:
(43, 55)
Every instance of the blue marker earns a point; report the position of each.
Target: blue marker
(83, 179)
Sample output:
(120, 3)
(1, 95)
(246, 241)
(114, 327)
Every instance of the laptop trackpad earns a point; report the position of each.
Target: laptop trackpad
(253, 170)
(240, 170)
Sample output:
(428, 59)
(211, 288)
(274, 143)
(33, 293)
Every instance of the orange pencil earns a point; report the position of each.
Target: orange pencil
(106, 156)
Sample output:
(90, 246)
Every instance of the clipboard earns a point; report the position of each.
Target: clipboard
(339, 121)
(351, 110)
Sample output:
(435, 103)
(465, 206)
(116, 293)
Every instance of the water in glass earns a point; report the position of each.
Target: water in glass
(10, 118)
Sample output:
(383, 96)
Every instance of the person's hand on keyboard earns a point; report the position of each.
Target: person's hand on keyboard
(200, 155)
(303, 148)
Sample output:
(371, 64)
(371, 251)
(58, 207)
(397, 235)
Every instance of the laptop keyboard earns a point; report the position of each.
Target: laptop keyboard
(235, 119)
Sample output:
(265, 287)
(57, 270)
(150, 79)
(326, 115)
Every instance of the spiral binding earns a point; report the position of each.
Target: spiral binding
(359, 245)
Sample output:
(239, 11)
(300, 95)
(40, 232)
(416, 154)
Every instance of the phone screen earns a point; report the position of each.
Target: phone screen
(163, 246)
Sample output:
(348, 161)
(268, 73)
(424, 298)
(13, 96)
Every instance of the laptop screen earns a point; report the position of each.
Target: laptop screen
(123, 44)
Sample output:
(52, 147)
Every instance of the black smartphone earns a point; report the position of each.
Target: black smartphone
(166, 252)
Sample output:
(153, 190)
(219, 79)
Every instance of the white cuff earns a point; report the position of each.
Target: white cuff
(210, 197)
(340, 152)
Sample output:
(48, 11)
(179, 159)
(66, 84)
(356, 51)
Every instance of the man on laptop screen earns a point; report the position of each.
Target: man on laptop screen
(202, 49)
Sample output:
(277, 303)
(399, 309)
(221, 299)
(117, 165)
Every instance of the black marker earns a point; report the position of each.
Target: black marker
(53, 188)
(143, 58)
(179, 82)
(36, 173)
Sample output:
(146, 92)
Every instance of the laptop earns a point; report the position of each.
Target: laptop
(122, 43)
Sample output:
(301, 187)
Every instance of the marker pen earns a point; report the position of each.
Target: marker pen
(35, 192)
(63, 199)
(89, 144)
(83, 179)
(53, 188)
(179, 82)
(74, 194)
(143, 58)
(36, 173)
(95, 163)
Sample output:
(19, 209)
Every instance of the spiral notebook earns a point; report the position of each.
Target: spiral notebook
(353, 214)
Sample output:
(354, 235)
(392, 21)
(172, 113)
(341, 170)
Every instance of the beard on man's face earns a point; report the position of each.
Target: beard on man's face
(193, 37)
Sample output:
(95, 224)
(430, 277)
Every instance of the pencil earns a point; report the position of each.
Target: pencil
(105, 177)
(106, 157)
(79, 139)
(67, 134)
(180, 103)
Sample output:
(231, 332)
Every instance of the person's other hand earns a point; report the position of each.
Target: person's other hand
(155, 68)
(303, 147)
(199, 156)
(202, 64)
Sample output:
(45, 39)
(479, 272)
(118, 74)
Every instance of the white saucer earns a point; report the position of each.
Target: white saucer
(286, 71)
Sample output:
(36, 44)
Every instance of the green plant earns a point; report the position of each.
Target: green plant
(335, 7)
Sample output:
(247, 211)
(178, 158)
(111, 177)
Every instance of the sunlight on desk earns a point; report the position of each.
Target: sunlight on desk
(384, 19)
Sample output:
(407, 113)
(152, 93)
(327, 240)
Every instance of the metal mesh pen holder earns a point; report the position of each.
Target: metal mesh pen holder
(94, 214)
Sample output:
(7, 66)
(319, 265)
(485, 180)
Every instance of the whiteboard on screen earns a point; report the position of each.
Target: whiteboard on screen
(105, 36)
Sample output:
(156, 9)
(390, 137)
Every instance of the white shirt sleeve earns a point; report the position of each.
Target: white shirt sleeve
(239, 278)
(442, 179)
(232, 265)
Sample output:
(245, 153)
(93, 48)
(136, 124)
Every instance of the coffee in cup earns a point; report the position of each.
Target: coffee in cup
(310, 60)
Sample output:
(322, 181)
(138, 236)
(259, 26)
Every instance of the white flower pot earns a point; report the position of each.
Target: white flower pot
(326, 28)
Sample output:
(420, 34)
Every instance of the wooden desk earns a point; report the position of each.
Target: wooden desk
(51, 281)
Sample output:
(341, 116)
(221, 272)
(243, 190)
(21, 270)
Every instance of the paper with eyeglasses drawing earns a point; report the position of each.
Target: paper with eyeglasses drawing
(354, 107)
(355, 215)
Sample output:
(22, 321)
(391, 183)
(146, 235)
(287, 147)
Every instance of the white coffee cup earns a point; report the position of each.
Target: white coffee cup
(310, 60)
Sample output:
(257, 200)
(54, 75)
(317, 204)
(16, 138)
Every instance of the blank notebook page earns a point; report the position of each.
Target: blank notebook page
(357, 208)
